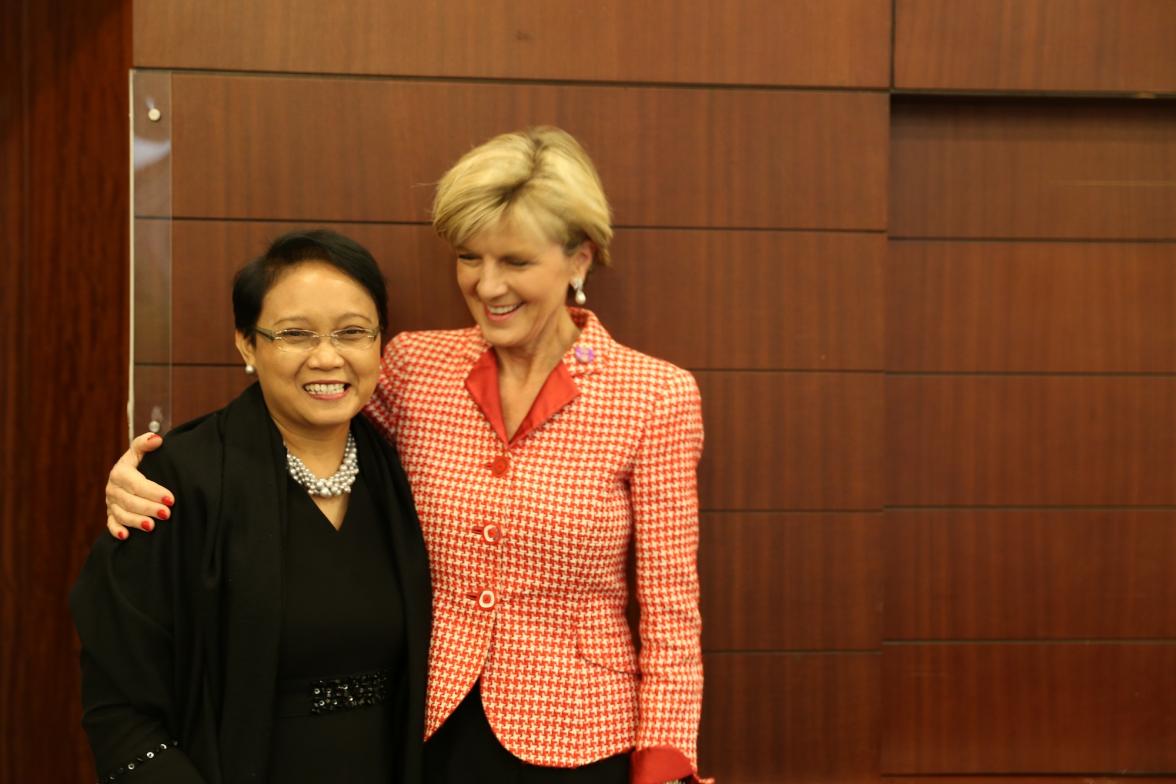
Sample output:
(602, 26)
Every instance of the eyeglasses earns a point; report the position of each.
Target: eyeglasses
(304, 340)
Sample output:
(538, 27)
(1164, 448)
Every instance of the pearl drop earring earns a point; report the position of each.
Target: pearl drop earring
(249, 369)
(580, 297)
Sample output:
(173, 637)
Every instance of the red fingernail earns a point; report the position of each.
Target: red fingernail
(153, 437)
(148, 525)
(163, 514)
(166, 501)
(122, 534)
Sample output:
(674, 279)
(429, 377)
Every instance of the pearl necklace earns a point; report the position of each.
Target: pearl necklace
(338, 483)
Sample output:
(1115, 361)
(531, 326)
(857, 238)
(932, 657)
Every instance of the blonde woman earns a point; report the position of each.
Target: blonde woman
(540, 451)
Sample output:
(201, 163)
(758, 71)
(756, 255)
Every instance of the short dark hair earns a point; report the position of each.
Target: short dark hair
(253, 281)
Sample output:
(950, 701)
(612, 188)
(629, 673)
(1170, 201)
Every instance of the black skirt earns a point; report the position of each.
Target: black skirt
(465, 751)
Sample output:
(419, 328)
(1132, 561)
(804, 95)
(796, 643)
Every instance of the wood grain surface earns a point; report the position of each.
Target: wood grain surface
(1033, 169)
(1057, 45)
(1030, 440)
(1029, 574)
(311, 149)
(1087, 708)
(1061, 307)
(843, 43)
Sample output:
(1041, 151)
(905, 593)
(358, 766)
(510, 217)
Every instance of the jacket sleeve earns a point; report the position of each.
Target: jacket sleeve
(122, 605)
(664, 492)
(383, 409)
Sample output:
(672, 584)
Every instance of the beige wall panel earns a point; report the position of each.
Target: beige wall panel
(792, 441)
(1054, 307)
(1005, 45)
(1085, 707)
(789, 717)
(1030, 440)
(1030, 574)
(844, 43)
(1013, 169)
(368, 150)
(792, 582)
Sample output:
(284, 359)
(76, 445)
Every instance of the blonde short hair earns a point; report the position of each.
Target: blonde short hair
(540, 177)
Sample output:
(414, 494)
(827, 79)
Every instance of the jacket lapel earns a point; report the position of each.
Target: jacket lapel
(252, 529)
(390, 489)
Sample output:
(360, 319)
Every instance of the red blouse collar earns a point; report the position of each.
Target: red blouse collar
(585, 357)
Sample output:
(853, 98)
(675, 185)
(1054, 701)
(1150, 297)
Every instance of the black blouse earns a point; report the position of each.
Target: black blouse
(342, 624)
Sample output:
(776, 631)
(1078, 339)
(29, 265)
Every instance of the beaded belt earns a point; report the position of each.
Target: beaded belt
(328, 695)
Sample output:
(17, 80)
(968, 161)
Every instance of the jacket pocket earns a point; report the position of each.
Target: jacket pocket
(605, 647)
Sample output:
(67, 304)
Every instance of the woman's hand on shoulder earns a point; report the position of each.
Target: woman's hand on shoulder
(131, 498)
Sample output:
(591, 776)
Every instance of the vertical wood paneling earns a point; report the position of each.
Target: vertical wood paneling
(842, 43)
(14, 470)
(65, 135)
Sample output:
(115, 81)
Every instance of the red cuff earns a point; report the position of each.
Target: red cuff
(659, 764)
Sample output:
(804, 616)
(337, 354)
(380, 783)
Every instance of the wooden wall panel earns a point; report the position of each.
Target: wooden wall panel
(65, 204)
(206, 254)
(780, 717)
(1009, 169)
(1030, 574)
(768, 42)
(791, 582)
(772, 300)
(1057, 307)
(746, 299)
(368, 150)
(791, 441)
(1030, 440)
(1009, 45)
(1086, 708)
(199, 389)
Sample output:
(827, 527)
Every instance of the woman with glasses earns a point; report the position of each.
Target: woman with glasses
(278, 629)
(540, 451)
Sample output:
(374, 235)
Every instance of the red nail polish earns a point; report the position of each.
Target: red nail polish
(148, 525)
(153, 437)
(122, 534)
(163, 514)
(166, 501)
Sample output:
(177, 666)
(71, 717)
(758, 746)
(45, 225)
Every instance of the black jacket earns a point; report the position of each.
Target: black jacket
(180, 628)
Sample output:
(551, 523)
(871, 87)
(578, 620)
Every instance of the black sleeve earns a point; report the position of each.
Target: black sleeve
(124, 607)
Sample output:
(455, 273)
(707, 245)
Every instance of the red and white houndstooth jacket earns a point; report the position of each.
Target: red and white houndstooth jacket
(528, 537)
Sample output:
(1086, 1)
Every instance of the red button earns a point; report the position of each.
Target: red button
(499, 465)
(491, 533)
(486, 599)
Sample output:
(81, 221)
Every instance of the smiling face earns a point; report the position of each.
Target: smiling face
(516, 284)
(314, 391)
